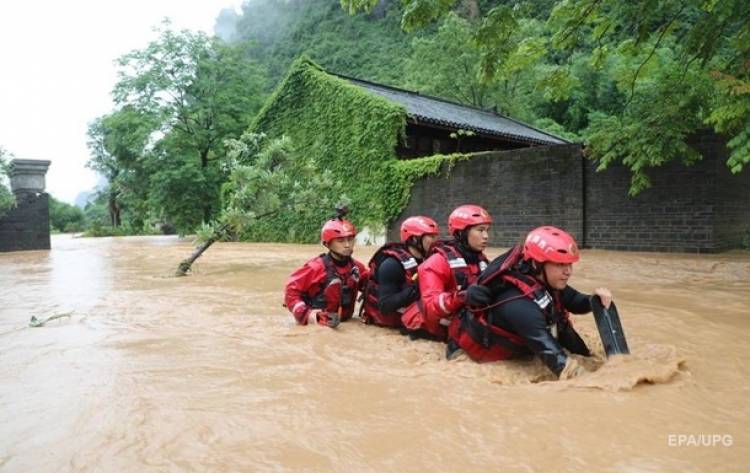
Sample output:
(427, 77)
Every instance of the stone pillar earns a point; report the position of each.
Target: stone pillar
(27, 176)
(26, 226)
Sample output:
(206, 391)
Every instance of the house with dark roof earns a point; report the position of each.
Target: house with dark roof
(431, 121)
(397, 153)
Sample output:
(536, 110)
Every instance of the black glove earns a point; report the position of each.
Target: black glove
(412, 294)
(478, 295)
(333, 319)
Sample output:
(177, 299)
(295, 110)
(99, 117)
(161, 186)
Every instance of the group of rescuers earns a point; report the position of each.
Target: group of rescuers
(446, 289)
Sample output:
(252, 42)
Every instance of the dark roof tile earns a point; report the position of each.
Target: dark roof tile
(442, 112)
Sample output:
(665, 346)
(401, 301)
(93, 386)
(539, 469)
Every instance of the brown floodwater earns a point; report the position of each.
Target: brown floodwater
(208, 373)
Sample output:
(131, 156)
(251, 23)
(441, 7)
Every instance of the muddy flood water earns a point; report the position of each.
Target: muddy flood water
(208, 373)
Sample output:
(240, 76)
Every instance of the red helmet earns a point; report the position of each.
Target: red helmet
(418, 226)
(336, 228)
(467, 216)
(550, 244)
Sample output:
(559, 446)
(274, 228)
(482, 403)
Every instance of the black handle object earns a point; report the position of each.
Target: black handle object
(610, 328)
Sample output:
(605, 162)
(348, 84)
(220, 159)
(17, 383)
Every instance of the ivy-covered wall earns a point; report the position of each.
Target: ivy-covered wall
(353, 133)
(345, 129)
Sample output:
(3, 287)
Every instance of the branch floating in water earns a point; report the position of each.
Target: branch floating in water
(34, 322)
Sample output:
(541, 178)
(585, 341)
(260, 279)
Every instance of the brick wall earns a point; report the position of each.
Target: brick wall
(26, 227)
(701, 208)
(509, 185)
(732, 191)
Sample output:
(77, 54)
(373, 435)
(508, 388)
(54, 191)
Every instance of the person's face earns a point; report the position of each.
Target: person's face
(478, 236)
(427, 241)
(343, 246)
(557, 274)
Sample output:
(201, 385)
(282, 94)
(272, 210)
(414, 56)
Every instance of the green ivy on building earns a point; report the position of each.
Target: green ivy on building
(351, 132)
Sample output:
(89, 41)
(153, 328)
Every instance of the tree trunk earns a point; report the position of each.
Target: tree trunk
(204, 165)
(186, 264)
(114, 210)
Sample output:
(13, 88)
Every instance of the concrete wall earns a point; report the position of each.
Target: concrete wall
(26, 227)
(508, 184)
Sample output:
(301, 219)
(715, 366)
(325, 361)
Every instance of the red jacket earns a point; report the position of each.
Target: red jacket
(442, 295)
(321, 286)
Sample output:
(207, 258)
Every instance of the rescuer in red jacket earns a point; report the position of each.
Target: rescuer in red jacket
(393, 286)
(325, 288)
(446, 277)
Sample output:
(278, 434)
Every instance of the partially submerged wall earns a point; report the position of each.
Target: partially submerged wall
(699, 208)
(702, 208)
(520, 188)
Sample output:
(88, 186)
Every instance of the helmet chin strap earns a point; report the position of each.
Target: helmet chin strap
(416, 243)
(529, 266)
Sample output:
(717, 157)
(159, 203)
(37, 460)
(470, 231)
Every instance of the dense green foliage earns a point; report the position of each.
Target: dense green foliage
(162, 148)
(7, 200)
(366, 46)
(64, 217)
(343, 129)
(634, 79)
(269, 178)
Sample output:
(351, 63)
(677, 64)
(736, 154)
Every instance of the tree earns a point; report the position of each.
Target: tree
(199, 92)
(64, 217)
(670, 67)
(116, 142)
(267, 177)
(674, 59)
(7, 200)
(446, 64)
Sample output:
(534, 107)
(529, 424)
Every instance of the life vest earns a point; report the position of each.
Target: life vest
(464, 273)
(475, 333)
(334, 297)
(370, 312)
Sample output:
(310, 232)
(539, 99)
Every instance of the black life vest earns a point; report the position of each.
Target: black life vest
(474, 331)
(370, 312)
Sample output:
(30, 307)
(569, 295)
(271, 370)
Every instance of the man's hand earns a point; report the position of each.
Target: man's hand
(604, 295)
(478, 295)
(332, 319)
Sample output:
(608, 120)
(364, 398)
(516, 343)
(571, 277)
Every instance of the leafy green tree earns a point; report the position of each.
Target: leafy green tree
(267, 177)
(370, 46)
(64, 217)
(96, 216)
(635, 79)
(199, 92)
(117, 142)
(731, 115)
(669, 58)
(7, 199)
(446, 64)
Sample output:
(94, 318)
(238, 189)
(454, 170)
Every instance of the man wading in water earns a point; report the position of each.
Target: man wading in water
(447, 277)
(325, 288)
(393, 273)
(531, 299)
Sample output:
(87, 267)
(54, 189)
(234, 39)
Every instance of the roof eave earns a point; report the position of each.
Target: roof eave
(421, 119)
